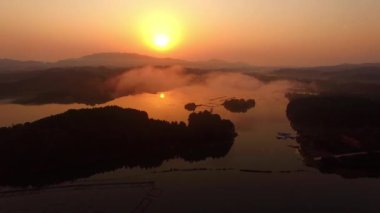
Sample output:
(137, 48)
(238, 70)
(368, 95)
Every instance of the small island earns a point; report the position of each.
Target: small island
(239, 105)
(233, 105)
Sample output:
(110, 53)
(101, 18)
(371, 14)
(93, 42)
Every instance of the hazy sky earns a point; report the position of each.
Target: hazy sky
(262, 32)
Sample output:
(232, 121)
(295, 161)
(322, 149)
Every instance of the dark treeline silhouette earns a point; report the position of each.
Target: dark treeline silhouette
(80, 143)
(338, 134)
(342, 80)
(86, 85)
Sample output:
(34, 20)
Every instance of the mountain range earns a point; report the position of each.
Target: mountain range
(118, 60)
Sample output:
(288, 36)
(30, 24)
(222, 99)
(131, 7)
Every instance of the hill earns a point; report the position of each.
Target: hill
(117, 60)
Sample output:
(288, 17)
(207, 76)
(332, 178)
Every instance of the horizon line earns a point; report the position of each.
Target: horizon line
(191, 60)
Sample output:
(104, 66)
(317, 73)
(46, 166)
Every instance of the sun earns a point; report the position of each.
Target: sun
(160, 31)
(162, 95)
(161, 40)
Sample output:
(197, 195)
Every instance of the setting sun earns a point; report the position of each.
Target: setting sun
(161, 40)
(162, 95)
(160, 31)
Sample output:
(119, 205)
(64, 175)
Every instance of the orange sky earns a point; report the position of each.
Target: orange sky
(262, 32)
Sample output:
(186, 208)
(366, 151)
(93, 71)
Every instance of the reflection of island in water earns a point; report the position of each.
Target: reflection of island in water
(232, 104)
(80, 143)
(338, 134)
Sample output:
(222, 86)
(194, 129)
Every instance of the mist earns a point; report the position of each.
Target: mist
(150, 80)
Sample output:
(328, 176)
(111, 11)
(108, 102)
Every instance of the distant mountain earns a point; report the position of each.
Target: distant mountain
(15, 65)
(137, 60)
(118, 60)
(339, 72)
(130, 60)
(125, 60)
(333, 68)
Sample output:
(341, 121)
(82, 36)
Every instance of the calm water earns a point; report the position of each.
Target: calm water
(214, 185)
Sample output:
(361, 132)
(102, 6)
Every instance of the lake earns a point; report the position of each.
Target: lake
(262, 171)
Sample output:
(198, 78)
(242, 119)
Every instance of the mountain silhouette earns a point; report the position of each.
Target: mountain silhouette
(119, 60)
(15, 65)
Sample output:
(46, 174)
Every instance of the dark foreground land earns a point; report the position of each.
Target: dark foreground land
(80, 143)
(338, 134)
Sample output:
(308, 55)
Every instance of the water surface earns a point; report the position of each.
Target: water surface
(260, 172)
